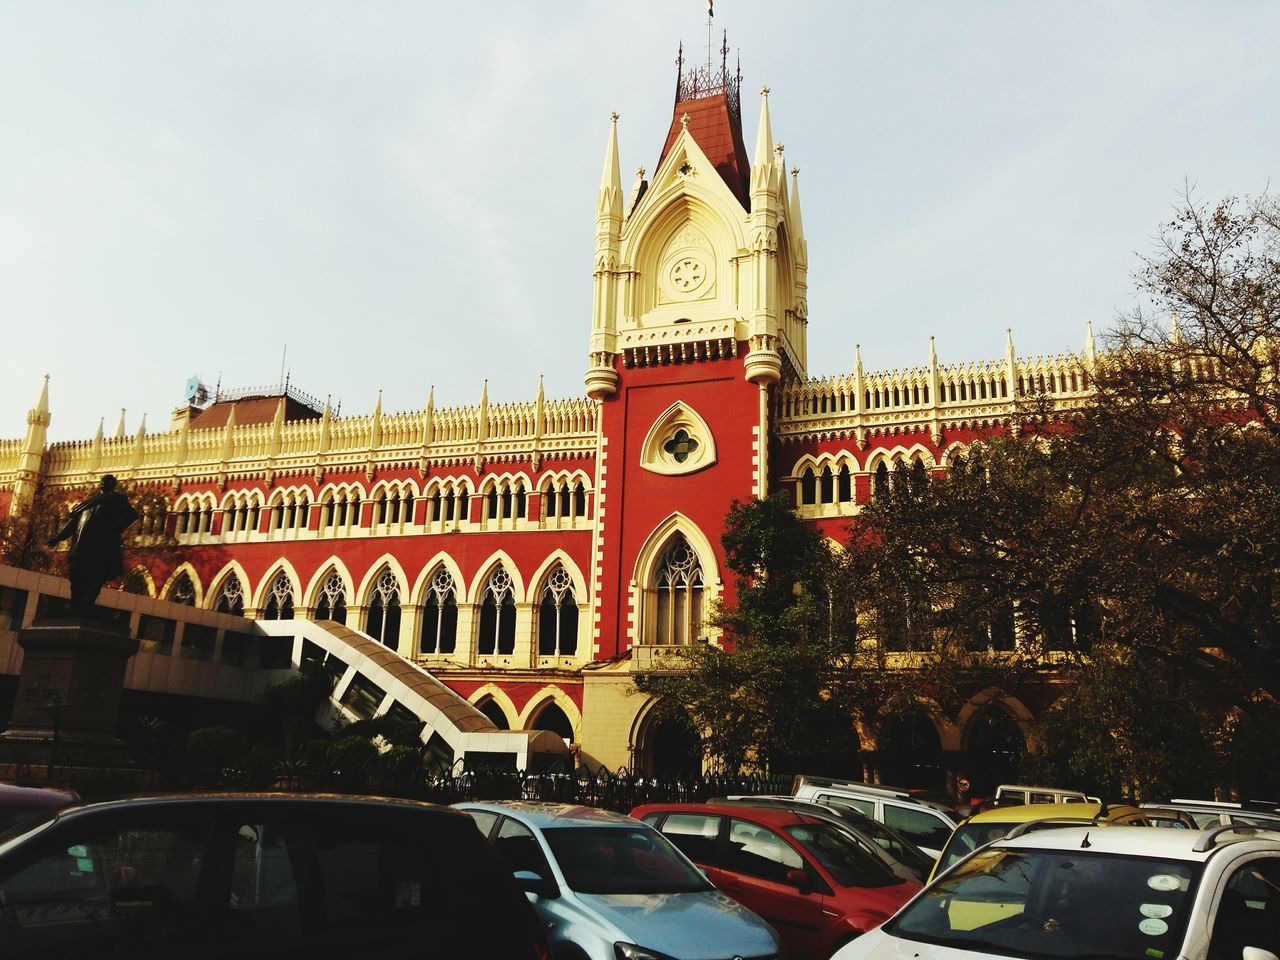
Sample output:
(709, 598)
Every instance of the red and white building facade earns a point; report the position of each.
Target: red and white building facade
(535, 556)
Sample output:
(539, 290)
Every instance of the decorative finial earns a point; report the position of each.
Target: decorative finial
(684, 121)
(778, 148)
(614, 116)
(795, 171)
(764, 91)
(639, 173)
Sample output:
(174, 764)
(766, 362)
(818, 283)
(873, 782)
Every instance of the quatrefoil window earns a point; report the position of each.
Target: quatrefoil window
(687, 274)
(681, 445)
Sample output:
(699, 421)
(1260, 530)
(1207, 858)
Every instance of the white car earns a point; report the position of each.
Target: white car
(1120, 893)
(925, 823)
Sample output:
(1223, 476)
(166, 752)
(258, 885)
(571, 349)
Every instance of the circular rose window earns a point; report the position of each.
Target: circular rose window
(688, 274)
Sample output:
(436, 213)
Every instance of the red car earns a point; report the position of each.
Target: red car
(802, 874)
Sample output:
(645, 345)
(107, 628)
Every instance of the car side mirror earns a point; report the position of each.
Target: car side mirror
(530, 882)
(804, 883)
(1257, 953)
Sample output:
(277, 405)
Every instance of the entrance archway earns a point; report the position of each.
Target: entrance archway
(668, 745)
(552, 718)
(910, 752)
(995, 749)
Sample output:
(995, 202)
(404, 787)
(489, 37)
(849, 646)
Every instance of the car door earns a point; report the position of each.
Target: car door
(1248, 911)
(757, 861)
(108, 886)
(696, 835)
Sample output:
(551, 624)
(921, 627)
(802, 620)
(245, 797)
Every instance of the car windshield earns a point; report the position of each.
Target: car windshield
(1056, 903)
(848, 864)
(622, 860)
(904, 851)
(967, 838)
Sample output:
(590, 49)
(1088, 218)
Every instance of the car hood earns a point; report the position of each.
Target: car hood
(878, 945)
(694, 926)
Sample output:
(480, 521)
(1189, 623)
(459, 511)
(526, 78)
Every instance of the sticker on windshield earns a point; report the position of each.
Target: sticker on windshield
(1155, 910)
(1153, 952)
(1164, 881)
(1152, 927)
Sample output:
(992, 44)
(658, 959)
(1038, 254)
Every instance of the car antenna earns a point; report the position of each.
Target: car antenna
(1085, 844)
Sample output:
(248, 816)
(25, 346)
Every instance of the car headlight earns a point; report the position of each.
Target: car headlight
(629, 951)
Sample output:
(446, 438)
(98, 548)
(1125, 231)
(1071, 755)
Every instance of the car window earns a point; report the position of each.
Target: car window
(840, 855)
(1248, 913)
(694, 834)
(1055, 904)
(630, 860)
(863, 806)
(484, 820)
(124, 885)
(922, 827)
(517, 845)
(759, 852)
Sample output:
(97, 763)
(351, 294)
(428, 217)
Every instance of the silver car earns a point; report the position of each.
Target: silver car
(608, 887)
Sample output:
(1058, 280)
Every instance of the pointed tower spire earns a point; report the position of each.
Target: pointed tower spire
(796, 223)
(31, 463)
(95, 457)
(120, 432)
(1090, 348)
(610, 198)
(933, 351)
(764, 134)
(1175, 331)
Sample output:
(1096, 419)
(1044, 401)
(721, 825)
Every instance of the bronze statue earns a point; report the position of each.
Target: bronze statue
(94, 528)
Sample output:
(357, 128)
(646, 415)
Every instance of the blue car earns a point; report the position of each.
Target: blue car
(608, 887)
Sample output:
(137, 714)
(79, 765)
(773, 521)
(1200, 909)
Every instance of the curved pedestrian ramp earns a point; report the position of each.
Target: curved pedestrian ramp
(186, 651)
(370, 681)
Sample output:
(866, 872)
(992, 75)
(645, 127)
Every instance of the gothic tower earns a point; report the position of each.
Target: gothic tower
(698, 311)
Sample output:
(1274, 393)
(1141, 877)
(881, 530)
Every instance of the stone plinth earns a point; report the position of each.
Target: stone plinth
(78, 666)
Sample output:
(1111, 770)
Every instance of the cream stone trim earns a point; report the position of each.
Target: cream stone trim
(491, 691)
(364, 594)
(316, 584)
(548, 695)
(428, 573)
(485, 570)
(146, 576)
(216, 583)
(647, 559)
(196, 585)
(260, 594)
(655, 459)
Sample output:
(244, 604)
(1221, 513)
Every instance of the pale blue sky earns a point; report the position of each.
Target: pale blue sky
(403, 192)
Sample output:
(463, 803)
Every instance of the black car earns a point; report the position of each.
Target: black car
(238, 876)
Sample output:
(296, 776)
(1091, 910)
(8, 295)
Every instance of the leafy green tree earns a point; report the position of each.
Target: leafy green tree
(780, 692)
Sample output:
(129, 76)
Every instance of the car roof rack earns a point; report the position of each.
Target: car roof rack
(878, 789)
(1209, 838)
(1029, 825)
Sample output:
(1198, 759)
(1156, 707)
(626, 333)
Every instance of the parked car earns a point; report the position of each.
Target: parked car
(899, 854)
(799, 872)
(1168, 817)
(991, 824)
(256, 876)
(926, 823)
(1016, 794)
(1079, 892)
(1209, 813)
(608, 887)
(22, 799)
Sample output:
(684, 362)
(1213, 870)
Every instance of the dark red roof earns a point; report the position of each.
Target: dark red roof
(251, 410)
(718, 132)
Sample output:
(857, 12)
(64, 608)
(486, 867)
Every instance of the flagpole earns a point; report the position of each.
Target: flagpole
(709, 16)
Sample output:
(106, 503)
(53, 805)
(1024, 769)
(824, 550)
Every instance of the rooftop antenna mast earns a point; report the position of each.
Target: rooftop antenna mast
(710, 14)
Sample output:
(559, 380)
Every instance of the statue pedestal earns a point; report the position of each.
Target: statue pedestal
(68, 698)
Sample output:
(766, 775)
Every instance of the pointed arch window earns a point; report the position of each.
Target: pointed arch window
(279, 599)
(230, 597)
(497, 632)
(844, 485)
(183, 591)
(808, 487)
(880, 485)
(440, 615)
(826, 485)
(679, 592)
(332, 604)
(558, 616)
(383, 620)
